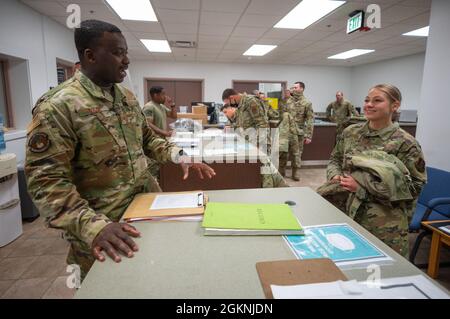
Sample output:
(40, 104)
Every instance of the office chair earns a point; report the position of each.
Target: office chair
(432, 204)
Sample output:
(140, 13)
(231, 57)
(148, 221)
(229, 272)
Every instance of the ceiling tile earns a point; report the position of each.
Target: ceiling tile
(256, 20)
(221, 30)
(225, 6)
(219, 18)
(180, 28)
(271, 7)
(249, 32)
(398, 13)
(178, 16)
(181, 37)
(176, 4)
(143, 26)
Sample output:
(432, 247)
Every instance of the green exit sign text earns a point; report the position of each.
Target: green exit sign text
(355, 22)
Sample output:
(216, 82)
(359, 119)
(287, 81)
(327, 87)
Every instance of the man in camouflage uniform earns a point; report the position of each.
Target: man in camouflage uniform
(249, 113)
(288, 141)
(339, 112)
(87, 151)
(156, 112)
(303, 114)
(388, 221)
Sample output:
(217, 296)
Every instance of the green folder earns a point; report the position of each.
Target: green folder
(250, 219)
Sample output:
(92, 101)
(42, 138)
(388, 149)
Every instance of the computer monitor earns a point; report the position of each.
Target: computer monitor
(210, 110)
(408, 116)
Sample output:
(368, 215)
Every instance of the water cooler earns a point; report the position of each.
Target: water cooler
(10, 214)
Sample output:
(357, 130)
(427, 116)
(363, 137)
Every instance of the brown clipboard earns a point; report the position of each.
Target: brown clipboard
(139, 209)
(297, 272)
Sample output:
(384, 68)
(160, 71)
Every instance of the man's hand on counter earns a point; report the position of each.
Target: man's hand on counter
(308, 141)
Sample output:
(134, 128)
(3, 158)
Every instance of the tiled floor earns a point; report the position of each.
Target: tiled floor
(33, 266)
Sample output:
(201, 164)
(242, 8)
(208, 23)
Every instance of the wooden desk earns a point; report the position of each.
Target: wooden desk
(439, 237)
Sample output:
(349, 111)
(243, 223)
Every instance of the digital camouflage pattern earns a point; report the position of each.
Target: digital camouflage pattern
(388, 220)
(340, 113)
(95, 160)
(302, 112)
(251, 114)
(156, 114)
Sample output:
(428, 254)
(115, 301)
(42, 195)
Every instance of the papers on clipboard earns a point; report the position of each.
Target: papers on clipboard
(411, 287)
(172, 201)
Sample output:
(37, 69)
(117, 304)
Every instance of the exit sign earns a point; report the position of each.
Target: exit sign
(355, 22)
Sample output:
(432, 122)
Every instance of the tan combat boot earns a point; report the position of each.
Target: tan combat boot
(295, 174)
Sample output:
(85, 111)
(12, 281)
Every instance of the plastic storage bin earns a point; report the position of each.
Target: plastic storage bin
(10, 214)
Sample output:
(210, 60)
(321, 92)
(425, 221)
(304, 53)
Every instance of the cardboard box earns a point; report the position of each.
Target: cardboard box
(199, 109)
(201, 117)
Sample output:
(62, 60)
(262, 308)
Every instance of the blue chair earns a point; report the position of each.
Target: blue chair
(432, 204)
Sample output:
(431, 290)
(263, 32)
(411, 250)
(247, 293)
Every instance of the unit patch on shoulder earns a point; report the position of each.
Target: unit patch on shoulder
(39, 142)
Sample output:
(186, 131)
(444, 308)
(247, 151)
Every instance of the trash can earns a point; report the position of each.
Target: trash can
(10, 215)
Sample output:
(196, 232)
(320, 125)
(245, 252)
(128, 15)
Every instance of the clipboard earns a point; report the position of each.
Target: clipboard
(139, 209)
(297, 272)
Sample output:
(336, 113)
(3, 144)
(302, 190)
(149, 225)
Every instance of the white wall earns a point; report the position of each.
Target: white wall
(38, 41)
(433, 129)
(321, 82)
(405, 73)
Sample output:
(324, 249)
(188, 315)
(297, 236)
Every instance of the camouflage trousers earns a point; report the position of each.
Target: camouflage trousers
(295, 154)
(273, 179)
(80, 254)
(389, 224)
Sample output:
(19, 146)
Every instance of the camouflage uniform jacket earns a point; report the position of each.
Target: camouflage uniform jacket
(287, 131)
(156, 114)
(86, 157)
(301, 110)
(383, 176)
(251, 113)
(340, 112)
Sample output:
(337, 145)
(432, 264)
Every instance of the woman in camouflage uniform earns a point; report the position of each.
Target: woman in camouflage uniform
(388, 221)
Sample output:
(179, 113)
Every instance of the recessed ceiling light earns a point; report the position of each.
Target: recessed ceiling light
(422, 32)
(350, 54)
(140, 10)
(307, 12)
(156, 45)
(259, 50)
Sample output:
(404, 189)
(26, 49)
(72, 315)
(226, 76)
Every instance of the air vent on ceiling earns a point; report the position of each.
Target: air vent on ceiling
(183, 44)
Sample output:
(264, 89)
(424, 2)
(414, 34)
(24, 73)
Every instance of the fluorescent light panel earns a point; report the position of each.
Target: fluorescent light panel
(140, 10)
(259, 49)
(156, 45)
(307, 12)
(422, 32)
(350, 54)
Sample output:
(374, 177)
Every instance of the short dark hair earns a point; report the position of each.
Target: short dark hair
(302, 85)
(89, 32)
(227, 93)
(156, 90)
(78, 62)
